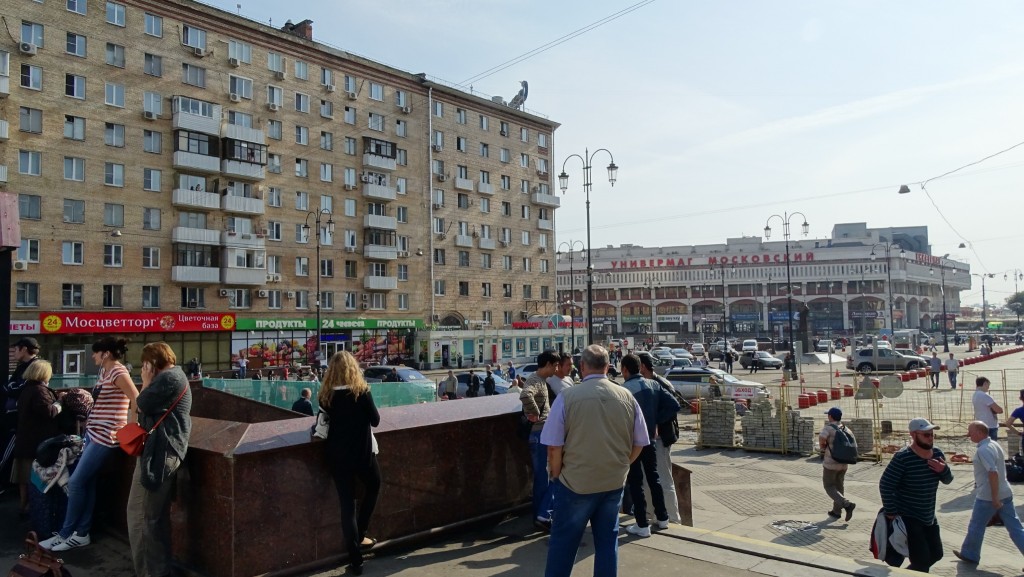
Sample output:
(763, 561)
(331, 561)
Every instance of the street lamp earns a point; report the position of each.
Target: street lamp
(328, 230)
(888, 270)
(767, 317)
(725, 311)
(571, 246)
(984, 303)
(805, 228)
(651, 286)
(1017, 274)
(942, 287)
(563, 183)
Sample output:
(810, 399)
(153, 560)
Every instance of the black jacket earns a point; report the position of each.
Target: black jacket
(348, 438)
(304, 406)
(171, 438)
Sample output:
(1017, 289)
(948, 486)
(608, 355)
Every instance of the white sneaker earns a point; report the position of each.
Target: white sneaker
(638, 530)
(72, 542)
(51, 542)
(661, 524)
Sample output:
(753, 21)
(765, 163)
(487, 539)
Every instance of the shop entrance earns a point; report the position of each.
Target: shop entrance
(73, 362)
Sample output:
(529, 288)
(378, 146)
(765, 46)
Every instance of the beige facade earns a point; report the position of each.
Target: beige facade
(169, 156)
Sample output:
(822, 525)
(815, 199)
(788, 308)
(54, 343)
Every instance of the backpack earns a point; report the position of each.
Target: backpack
(844, 447)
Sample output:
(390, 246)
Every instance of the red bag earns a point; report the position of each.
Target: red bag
(132, 438)
(38, 562)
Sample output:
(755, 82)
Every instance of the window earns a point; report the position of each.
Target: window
(506, 290)
(439, 287)
(74, 86)
(152, 141)
(240, 51)
(376, 122)
(505, 156)
(460, 144)
(274, 299)
(240, 86)
(401, 128)
(302, 266)
(400, 185)
(74, 127)
(274, 196)
(71, 295)
(31, 120)
(76, 45)
(525, 212)
(403, 301)
(485, 151)
(274, 230)
(32, 33)
(350, 145)
(524, 160)
(463, 258)
(483, 122)
(150, 257)
(438, 109)
(327, 267)
(113, 174)
(301, 70)
(326, 77)
(113, 134)
(351, 270)
(31, 77)
(74, 211)
(463, 288)
(376, 91)
(327, 300)
(503, 127)
(113, 255)
(526, 238)
(542, 140)
(193, 75)
(193, 298)
(74, 168)
(113, 94)
(71, 252)
(192, 36)
(150, 297)
(113, 214)
(153, 25)
(274, 164)
(401, 157)
(524, 134)
(112, 296)
(115, 55)
(275, 63)
(438, 256)
(485, 261)
(460, 115)
(27, 294)
(506, 182)
(275, 129)
(506, 208)
(326, 172)
(402, 214)
(403, 272)
(401, 99)
(301, 102)
(30, 162)
(301, 200)
(77, 6)
(506, 262)
(485, 177)
(463, 200)
(115, 13)
(544, 264)
(350, 115)
(151, 219)
(153, 102)
(29, 250)
(527, 291)
(301, 167)
(485, 289)
(301, 135)
(30, 206)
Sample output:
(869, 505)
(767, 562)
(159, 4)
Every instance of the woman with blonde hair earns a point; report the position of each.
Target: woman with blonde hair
(346, 399)
(37, 421)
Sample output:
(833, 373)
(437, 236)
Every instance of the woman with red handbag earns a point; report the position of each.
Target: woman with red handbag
(164, 404)
(116, 396)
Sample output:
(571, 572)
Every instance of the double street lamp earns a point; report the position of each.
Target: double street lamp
(571, 251)
(984, 303)
(324, 229)
(563, 183)
(888, 269)
(805, 228)
(942, 287)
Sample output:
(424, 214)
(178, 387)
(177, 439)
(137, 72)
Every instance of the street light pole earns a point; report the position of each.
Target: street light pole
(888, 270)
(563, 183)
(785, 218)
(725, 311)
(651, 285)
(320, 232)
(571, 246)
(1017, 274)
(942, 287)
(984, 303)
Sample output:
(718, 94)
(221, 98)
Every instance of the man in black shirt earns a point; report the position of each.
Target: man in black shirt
(489, 383)
(26, 352)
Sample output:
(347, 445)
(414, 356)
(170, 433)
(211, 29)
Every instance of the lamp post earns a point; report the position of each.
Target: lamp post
(563, 183)
(571, 246)
(1017, 274)
(942, 287)
(805, 228)
(327, 229)
(984, 303)
(651, 286)
(888, 269)
(725, 311)
(767, 316)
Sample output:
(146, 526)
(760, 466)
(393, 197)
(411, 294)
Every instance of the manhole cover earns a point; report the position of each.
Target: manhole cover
(794, 526)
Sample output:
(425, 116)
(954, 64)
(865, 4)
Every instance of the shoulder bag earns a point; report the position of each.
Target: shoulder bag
(37, 562)
(132, 437)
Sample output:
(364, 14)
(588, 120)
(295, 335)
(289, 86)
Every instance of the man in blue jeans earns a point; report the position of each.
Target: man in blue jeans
(595, 430)
(536, 406)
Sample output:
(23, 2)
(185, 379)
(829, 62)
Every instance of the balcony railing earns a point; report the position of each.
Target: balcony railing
(242, 239)
(378, 191)
(545, 224)
(243, 204)
(381, 162)
(195, 161)
(195, 199)
(486, 243)
(243, 169)
(190, 235)
(463, 184)
(546, 199)
(195, 274)
(463, 240)
(244, 276)
(198, 123)
(382, 222)
(245, 133)
(485, 188)
(380, 252)
(380, 283)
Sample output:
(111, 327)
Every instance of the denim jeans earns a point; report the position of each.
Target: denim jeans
(952, 380)
(993, 433)
(82, 488)
(646, 465)
(983, 512)
(572, 512)
(542, 497)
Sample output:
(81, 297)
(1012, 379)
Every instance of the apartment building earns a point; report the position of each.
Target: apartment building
(188, 175)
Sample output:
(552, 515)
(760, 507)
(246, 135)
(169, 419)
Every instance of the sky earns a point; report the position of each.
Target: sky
(722, 114)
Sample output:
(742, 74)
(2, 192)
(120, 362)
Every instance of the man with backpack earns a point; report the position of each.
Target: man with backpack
(668, 434)
(838, 451)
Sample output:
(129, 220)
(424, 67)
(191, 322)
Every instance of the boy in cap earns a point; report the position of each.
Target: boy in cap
(908, 486)
(834, 473)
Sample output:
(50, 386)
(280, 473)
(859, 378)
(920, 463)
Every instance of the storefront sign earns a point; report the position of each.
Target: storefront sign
(24, 327)
(690, 262)
(64, 323)
(779, 316)
(249, 324)
(865, 314)
(745, 317)
(670, 318)
(547, 325)
(276, 324)
(636, 318)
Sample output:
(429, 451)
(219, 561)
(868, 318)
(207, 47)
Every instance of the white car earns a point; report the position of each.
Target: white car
(827, 346)
(693, 382)
(697, 349)
(750, 346)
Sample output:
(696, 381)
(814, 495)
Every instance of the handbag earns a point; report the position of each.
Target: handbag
(37, 562)
(321, 426)
(132, 437)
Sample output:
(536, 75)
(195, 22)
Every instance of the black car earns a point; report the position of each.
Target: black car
(762, 359)
(500, 384)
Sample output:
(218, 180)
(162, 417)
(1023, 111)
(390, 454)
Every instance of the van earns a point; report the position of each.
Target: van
(749, 346)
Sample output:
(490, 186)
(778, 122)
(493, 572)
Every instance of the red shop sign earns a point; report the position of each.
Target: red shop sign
(134, 322)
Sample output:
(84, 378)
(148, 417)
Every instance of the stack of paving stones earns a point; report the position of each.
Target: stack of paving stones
(717, 423)
(800, 434)
(761, 429)
(861, 429)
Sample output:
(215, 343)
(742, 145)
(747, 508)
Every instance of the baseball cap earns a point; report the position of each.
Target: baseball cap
(27, 342)
(921, 425)
(835, 413)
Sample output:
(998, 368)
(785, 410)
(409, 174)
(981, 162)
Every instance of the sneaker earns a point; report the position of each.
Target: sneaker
(72, 542)
(661, 524)
(849, 510)
(638, 530)
(51, 542)
(835, 514)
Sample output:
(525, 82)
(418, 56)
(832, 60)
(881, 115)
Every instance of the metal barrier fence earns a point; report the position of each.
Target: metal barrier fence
(284, 393)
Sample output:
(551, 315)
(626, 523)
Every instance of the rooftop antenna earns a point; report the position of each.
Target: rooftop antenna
(239, 7)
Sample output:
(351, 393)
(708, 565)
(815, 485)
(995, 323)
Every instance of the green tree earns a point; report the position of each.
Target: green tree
(1016, 304)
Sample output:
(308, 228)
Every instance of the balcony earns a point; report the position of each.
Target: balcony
(241, 169)
(545, 224)
(485, 188)
(486, 243)
(195, 274)
(196, 162)
(242, 204)
(195, 199)
(381, 162)
(244, 133)
(243, 276)
(382, 222)
(197, 122)
(378, 191)
(380, 252)
(464, 184)
(189, 235)
(380, 283)
(546, 200)
(242, 240)
(463, 240)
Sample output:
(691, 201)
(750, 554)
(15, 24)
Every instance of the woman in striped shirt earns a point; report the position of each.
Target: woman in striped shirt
(116, 398)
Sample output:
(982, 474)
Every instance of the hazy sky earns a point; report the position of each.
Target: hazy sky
(723, 113)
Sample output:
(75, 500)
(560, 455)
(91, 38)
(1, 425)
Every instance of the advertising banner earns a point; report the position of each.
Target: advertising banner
(64, 323)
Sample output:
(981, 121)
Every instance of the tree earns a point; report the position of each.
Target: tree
(1016, 304)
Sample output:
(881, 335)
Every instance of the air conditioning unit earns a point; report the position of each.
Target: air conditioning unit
(403, 254)
(364, 306)
(406, 109)
(150, 115)
(234, 62)
(441, 178)
(435, 318)
(330, 87)
(279, 74)
(503, 242)
(543, 249)
(27, 48)
(234, 97)
(350, 187)
(365, 178)
(193, 304)
(504, 133)
(351, 95)
(224, 292)
(273, 106)
(261, 232)
(364, 297)
(200, 52)
(21, 265)
(476, 234)
(524, 315)
(262, 294)
(290, 294)
(270, 278)
(350, 249)
(536, 189)
(438, 148)
(277, 278)
(542, 172)
(441, 236)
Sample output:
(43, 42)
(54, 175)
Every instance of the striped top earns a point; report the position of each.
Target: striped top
(908, 485)
(110, 411)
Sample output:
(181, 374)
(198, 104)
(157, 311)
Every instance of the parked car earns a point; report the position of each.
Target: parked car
(717, 350)
(749, 345)
(697, 349)
(825, 346)
(694, 382)
(869, 360)
(763, 360)
(411, 388)
(526, 370)
(682, 354)
(662, 354)
(500, 384)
